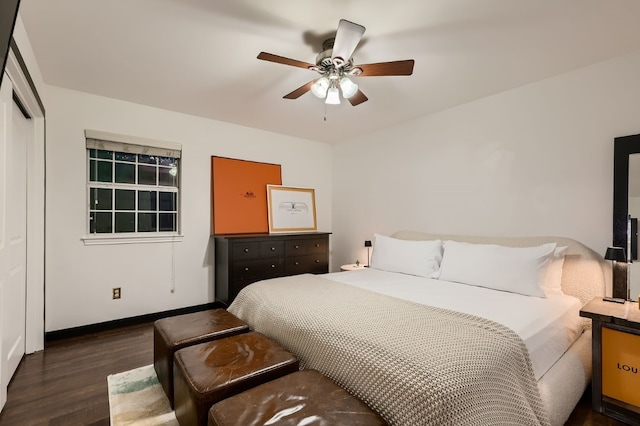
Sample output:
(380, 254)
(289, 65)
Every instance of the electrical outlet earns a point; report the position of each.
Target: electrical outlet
(116, 293)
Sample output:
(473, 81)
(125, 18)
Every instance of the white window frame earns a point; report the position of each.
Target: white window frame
(122, 143)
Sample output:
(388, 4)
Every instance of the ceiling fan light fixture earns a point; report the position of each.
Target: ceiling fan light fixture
(319, 88)
(333, 96)
(349, 88)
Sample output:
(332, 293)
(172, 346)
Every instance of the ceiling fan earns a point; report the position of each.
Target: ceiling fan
(335, 66)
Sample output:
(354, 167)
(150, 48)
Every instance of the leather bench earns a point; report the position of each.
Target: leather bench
(294, 399)
(209, 372)
(174, 333)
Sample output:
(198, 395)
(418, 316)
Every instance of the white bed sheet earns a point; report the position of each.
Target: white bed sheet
(547, 326)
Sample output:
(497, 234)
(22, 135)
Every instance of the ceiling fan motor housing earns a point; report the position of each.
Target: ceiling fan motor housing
(323, 60)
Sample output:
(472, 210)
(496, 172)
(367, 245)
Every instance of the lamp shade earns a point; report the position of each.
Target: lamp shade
(319, 88)
(615, 253)
(349, 88)
(367, 243)
(333, 96)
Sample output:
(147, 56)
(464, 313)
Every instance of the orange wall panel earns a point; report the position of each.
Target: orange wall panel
(239, 195)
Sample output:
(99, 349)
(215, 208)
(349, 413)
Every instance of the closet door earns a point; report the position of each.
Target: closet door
(13, 235)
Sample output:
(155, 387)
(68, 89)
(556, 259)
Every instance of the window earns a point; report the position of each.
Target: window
(132, 188)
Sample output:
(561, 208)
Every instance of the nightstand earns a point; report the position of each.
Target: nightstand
(616, 358)
(352, 267)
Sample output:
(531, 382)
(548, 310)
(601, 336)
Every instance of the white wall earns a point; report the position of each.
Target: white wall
(537, 160)
(79, 278)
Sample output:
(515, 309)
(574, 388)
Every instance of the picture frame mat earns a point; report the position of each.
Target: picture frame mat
(291, 209)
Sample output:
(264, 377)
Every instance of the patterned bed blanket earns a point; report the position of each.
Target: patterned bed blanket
(413, 364)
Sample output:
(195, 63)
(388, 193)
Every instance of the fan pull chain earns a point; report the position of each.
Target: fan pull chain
(325, 111)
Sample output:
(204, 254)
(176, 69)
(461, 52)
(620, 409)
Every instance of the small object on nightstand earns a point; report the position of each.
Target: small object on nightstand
(352, 267)
(357, 262)
(613, 299)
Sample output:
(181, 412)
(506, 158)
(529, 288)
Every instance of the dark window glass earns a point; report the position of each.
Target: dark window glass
(147, 222)
(148, 159)
(92, 153)
(125, 222)
(125, 173)
(107, 155)
(92, 171)
(104, 171)
(165, 177)
(167, 161)
(124, 156)
(125, 200)
(100, 199)
(100, 222)
(147, 175)
(167, 222)
(167, 201)
(147, 200)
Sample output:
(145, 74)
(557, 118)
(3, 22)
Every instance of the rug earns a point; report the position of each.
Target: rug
(136, 398)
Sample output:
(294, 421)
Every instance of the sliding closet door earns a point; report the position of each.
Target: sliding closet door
(13, 235)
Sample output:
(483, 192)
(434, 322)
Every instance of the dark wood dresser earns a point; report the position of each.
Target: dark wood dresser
(242, 259)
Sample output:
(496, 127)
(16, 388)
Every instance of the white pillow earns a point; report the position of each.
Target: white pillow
(514, 269)
(421, 258)
(553, 279)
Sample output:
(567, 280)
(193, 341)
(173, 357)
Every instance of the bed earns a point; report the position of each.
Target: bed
(420, 345)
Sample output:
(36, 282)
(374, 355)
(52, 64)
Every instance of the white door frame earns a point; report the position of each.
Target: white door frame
(17, 77)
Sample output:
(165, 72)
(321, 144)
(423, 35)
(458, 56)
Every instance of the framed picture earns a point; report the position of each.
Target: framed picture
(239, 196)
(291, 209)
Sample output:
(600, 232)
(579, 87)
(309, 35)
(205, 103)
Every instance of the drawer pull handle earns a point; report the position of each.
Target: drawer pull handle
(246, 250)
(296, 263)
(296, 247)
(246, 268)
(317, 260)
(273, 266)
(273, 249)
(317, 245)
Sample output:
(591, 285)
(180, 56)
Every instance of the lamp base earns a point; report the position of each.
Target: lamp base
(619, 280)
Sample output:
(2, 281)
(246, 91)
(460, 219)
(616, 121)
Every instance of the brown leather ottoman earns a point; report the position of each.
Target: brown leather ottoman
(174, 333)
(206, 373)
(292, 399)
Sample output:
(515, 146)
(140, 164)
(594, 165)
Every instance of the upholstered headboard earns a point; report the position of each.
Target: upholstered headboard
(585, 273)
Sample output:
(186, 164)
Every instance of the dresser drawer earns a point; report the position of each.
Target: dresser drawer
(246, 250)
(272, 249)
(314, 264)
(257, 268)
(307, 246)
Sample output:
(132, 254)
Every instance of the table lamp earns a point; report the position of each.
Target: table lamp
(619, 271)
(367, 244)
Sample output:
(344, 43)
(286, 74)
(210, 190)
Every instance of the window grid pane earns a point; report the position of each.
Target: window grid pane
(125, 173)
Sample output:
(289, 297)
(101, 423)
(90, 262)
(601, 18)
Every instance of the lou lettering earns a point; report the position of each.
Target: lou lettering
(625, 367)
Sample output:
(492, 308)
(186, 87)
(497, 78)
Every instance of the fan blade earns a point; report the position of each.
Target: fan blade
(347, 38)
(387, 68)
(299, 91)
(282, 60)
(358, 98)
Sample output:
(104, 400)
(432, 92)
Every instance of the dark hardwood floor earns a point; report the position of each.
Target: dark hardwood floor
(66, 384)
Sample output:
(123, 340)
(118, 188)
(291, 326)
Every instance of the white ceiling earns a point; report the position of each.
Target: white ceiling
(199, 56)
